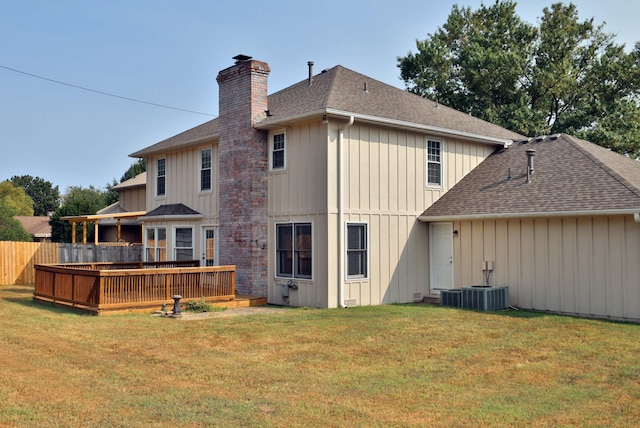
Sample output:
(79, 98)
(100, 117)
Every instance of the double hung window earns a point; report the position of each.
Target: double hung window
(278, 151)
(434, 163)
(161, 176)
(205, 170)
(183, 243)
(357, 250)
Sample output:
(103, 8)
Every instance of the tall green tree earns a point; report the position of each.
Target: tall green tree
(77, 201)
(10, 228)
(136, 168)
(45, 196)
(15, 197)
(565, 75)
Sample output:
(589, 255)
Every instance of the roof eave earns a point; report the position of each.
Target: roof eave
(172, 217)
(197, 141)
(583, 213)
(269, 124)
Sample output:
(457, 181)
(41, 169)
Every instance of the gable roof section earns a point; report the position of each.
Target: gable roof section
(199, 134)
(343, 92)
(571, 177)
(139, 180)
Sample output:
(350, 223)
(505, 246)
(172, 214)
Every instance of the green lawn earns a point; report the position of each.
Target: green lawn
(397, 365)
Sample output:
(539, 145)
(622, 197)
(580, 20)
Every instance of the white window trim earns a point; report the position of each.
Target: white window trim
(200, 169)
(346, 247)
(164, 195)
(286, 143)
(426, 163)
(293, 264)
(173, 241)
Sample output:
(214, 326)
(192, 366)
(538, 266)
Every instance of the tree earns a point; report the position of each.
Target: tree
(77, 201)
(10, 228)
(46, 197)
(136, 168)
(15, 198)
(565, 75)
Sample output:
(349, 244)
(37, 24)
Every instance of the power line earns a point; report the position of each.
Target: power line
(103, 93)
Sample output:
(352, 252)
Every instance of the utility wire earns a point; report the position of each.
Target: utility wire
(104, 93)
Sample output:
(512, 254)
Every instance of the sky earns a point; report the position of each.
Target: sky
(169, 52)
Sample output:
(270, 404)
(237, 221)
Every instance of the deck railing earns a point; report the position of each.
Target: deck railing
(118, 286)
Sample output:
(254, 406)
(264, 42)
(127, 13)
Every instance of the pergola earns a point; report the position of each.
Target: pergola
(95, 218)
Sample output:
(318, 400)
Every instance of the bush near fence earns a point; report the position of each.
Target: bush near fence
(18, 259)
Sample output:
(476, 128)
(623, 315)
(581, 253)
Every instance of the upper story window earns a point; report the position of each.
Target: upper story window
(205, 170)
(277, 151)
(161, 177)
(294, 250)
(434, 163)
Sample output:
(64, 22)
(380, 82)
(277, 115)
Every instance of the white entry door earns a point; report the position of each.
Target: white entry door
(209, 248)
(441, 256)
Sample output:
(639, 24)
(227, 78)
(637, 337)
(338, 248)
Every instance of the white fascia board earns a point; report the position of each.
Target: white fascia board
(590, 213)
(390, 122)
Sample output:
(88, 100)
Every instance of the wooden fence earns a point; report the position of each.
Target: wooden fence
(122, 286)
(18, 259)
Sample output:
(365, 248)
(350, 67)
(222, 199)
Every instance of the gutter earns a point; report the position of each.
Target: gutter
(386, 121)
(341, 246)
(590, 213)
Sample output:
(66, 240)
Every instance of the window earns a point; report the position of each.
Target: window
(356, 250)
(161, 177)
(277, 151)
(183, 243)
(434, 163)
(294, 250)
(205, 170)
(156, 244)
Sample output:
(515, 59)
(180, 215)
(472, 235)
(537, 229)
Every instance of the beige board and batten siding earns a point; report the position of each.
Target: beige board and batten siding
(183, 182)
(298, 193)
(385, 188)
(133, 199)
(576, 265)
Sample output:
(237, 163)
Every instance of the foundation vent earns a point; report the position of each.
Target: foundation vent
(349, 303)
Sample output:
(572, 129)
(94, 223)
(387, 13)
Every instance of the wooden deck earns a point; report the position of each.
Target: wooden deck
(117, 287)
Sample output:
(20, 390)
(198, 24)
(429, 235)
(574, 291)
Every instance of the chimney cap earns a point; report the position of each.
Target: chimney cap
(241, 58)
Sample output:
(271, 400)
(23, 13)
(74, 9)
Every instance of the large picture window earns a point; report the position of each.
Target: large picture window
(278, 151)
(161, 173)
(205, 170)
(434, 163)
(183, 243)
(294, 254)
(356, 250)
(156, 244)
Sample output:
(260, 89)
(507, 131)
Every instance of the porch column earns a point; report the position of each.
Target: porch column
(84, 232)
(95, 232)
(73, 232)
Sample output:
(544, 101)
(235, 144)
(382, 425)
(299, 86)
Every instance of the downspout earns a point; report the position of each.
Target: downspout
(341, 246)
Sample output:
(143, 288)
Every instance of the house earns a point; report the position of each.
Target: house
(36, 226)
(557, 219)
(320, 193)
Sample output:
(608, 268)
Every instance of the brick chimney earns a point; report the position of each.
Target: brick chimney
(243, 168)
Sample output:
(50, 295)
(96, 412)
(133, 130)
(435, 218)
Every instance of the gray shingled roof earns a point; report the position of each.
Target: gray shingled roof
(342, 91)
(571, 176)
(172, 210)
(139, 180)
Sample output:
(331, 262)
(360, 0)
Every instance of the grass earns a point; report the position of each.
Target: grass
(396, 365)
